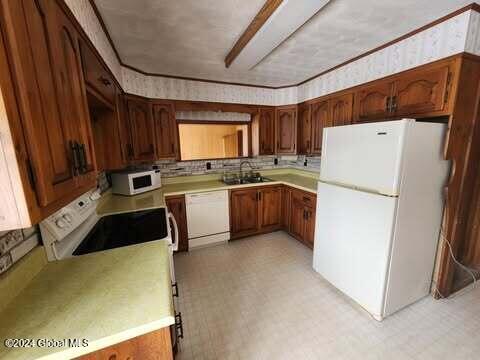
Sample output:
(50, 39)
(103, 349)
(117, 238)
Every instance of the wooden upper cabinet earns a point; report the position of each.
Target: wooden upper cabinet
(321, 118)
(97, 77)
(243, 212)
(266, 131)
(372, 102)
(342, 109)
(421, 91)
(72, 94)
(142, 130)
(270, 208)
(286, 130)
(124, 128)
(47, 129)
(304, 129)
(166, 131)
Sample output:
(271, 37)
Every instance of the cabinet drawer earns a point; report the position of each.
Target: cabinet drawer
(96, 76)
(304, 197)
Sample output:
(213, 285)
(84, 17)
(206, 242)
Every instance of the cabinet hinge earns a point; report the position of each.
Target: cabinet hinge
(447, 90)
(30, 174)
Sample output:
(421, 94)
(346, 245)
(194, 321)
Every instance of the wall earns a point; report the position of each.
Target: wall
(15, 244)
(199, 141)
(455, 35)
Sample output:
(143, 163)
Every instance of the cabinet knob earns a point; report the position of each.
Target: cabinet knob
(104, 81)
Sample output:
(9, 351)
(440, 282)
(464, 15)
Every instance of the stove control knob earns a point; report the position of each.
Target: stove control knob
(61, 223)
(68, 218)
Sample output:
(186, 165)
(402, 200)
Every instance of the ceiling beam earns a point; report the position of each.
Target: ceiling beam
(258, 21)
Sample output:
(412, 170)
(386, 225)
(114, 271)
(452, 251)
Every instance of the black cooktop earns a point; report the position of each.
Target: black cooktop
(125, 229)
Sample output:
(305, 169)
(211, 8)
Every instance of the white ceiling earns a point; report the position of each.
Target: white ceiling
(191, 38)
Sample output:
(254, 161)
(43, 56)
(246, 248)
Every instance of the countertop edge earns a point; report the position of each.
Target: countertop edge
(108, 341)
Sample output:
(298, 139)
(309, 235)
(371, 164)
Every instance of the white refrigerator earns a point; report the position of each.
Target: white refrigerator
(379, 209)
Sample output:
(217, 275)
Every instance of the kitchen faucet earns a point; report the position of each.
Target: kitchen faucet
(248, 163)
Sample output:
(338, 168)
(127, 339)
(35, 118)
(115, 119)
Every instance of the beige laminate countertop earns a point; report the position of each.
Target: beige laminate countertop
(115, 204)
(105, 297)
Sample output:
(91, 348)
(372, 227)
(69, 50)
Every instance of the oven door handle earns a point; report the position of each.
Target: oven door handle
(175, 229)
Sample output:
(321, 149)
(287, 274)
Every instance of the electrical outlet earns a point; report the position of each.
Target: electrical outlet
(305, 162)
(275, 161)
(208, 165)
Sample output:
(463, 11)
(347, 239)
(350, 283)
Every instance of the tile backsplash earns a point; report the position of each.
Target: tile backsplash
(170, 168)
(15, 244)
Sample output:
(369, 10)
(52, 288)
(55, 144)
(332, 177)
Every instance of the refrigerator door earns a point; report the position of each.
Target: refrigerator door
(365, 156)
(353, 236)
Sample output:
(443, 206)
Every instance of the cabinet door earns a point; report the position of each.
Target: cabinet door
(309, 235)
(286, 205)
(321, 118)
(124, 129)
(373, 102)
(342, 109)
(267, 131)
(46, 130)
(176, 205)
(141, 130)
(270, 208)
(421, 91)
(165, 131)
(304, 130)
(243, 212)
(297, 218)
(96, 76)
(72, 94)
(286, 129)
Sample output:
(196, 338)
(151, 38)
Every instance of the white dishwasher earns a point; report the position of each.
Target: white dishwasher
(208, 218)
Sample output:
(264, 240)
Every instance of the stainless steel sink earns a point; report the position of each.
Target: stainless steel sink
(250, 179)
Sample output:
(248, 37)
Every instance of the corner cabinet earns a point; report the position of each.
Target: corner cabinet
(255, 210)
(304, 140)
(320, 119)
(141, 129)
(263, 131)
(286, 129)
(166, 131)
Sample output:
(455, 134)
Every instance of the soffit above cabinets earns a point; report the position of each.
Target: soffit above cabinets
(191, 38)
(212, 116)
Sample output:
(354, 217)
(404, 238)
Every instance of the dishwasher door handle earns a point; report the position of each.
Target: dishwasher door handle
(175, 229)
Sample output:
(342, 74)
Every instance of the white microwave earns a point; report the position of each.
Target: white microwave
(135, 182)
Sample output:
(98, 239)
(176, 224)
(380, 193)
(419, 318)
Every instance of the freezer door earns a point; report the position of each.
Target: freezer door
(353, 235)
(365, 156)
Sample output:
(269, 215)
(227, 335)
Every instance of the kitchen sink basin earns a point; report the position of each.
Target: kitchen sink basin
(246, 180)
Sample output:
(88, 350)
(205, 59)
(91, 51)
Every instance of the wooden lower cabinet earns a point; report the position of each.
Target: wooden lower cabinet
(270, 208)
(302, 216)
(152, 346)
(176, 205)
(255, 210)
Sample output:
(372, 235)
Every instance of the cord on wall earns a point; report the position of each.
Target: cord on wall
(470, 271)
